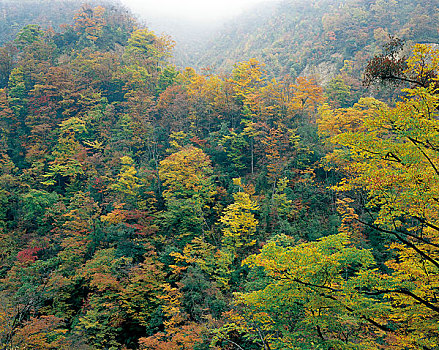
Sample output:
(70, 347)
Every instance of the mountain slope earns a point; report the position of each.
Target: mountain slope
(293, 36)
(14, 15)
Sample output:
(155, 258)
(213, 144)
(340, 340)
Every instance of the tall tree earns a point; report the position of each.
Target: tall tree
(392, 154)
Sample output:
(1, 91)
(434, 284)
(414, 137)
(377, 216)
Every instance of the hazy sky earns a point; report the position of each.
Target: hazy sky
(200, 10)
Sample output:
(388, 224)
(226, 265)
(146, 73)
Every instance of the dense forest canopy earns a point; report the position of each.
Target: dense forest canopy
(15, 14)
(149, 207)
(303, 37)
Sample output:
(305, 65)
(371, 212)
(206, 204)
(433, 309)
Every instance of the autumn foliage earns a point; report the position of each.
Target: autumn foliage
(147, 207)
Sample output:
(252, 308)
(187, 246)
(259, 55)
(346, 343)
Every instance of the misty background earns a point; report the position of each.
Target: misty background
(193, 23)
(208, 12)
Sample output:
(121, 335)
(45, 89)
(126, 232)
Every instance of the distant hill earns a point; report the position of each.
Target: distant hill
(304, 37)
(190, 36)
(14, 15)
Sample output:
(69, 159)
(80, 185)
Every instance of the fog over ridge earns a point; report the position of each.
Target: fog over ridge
(193, 10)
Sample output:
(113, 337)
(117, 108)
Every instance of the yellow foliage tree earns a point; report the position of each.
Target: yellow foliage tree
(239, 223)
(127, 181)
(187, 178)
(392, 153)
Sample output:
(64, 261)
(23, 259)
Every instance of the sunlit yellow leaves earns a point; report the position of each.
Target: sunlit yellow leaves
(334, 122)
(187, 173)
(310, 290)
(171, 299)
(392, 153)
(239, 222)
(274, 100)
(423, 64)
(349, 224)
(211, 260)
(127, 180)
(248, 77)
(241, 324)
(73, 125)
(145, 45)
(188, 192)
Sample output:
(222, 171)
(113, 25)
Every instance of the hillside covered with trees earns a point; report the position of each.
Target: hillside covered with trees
(15, 15)
(296, 37)
(144, 206)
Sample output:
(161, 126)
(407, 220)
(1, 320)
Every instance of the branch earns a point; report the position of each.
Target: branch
(266, 345)
(315, 285)
(405, 292)
(371, 321)
(319, 332)
(390, 155)
(425, 222)
(424, 154)
(406, 242)
(394, 77)
(423, 240)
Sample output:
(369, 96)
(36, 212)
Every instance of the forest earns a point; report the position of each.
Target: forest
(294, 36)
(148, 206)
